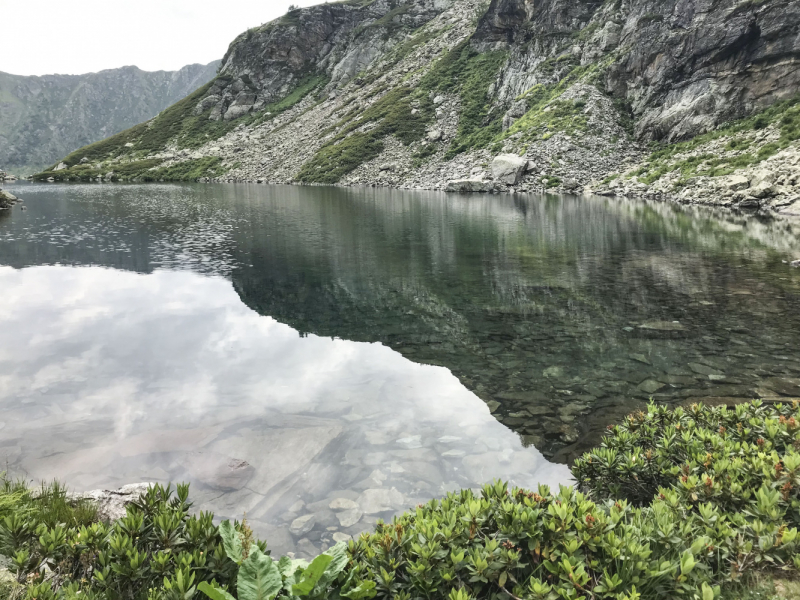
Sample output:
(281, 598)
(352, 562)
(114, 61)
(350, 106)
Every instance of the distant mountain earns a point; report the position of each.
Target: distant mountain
(45, 118)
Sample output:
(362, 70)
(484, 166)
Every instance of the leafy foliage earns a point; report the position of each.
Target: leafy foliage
(720, 455)
(157, 551)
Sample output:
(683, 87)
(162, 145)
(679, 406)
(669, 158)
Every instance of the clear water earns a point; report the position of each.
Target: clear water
(292, 351)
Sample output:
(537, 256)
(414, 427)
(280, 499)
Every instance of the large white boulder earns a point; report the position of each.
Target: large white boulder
(508, 168)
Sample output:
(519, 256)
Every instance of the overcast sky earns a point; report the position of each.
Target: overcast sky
(52, 36)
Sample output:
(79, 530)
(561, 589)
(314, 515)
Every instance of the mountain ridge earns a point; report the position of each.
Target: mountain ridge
(43, 117)
(690, 100)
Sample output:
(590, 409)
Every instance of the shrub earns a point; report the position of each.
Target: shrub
(721, 455)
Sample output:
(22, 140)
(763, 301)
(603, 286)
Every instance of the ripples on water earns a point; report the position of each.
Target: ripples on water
(283, 347)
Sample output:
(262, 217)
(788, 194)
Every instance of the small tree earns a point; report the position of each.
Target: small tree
(293, 7)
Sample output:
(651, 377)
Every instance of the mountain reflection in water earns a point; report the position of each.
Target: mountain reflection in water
(560, 314)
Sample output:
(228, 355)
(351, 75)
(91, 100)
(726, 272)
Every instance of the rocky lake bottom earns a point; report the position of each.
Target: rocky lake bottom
(320, 358)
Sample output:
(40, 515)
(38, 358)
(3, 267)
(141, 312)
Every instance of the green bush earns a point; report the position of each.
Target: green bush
(720, 455)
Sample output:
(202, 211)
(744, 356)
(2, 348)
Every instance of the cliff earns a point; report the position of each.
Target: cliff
(44, 118)
(694, 99)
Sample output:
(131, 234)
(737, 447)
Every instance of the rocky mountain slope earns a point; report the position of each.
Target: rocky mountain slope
(694, 99)
(44, 118)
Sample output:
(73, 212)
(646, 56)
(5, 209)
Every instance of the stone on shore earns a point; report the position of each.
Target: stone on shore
(112, 504)
(509, 168)
(470, 186)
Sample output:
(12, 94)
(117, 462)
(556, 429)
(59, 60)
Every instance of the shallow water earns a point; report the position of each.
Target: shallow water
(283, 347)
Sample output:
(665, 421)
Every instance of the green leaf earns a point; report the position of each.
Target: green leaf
(312, 575)
(259, 577)
(336, 566)
(231, 541)
(687, 562)
(708, 592)
(214, 593)
(364, 591)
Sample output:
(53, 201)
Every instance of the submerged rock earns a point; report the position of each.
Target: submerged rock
(662, 326)
(302, 525)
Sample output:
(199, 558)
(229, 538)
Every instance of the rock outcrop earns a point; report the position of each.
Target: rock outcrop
(437, 94)
(7, 200)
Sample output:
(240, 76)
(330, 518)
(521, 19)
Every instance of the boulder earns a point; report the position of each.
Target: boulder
(469, 186)
(763, 189)
(435, 135)
(342, 504)
(302, 525)
(762, 176)
(570, 184)
(736, 183)
(508, 168)
(378, 500)
(112, 504)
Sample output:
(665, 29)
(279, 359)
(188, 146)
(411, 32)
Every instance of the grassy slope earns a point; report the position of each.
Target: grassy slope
(740, 150)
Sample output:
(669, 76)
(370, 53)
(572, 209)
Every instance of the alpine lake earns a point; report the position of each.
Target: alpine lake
(320, 358)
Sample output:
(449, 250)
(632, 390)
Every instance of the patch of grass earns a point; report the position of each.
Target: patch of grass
(559, 115)
(143, 170)
(552, 181)
(547, 113)
(391, 115)
(469, 73)
(190, 170)
(49, 504)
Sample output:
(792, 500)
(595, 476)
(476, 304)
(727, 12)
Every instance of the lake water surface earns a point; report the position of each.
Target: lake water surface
(344, 354)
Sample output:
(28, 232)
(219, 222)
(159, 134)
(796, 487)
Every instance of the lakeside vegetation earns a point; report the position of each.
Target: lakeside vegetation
(698, 503)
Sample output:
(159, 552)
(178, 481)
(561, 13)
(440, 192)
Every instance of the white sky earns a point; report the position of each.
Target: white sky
(54, 36)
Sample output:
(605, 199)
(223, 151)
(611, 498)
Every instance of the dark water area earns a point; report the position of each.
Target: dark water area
(339, 355)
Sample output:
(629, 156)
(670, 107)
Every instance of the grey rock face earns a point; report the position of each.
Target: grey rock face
(686, 67)
(45, 118)
(339, 40)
